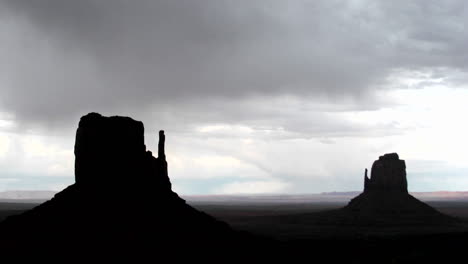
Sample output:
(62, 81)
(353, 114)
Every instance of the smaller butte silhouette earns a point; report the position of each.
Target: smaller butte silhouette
(121, 204)
(386, 200)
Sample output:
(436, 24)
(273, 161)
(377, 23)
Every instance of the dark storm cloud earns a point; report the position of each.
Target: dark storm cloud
(69, 57)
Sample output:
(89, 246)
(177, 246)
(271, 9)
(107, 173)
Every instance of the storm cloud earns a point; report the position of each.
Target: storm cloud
(67, 57)
(237, 78)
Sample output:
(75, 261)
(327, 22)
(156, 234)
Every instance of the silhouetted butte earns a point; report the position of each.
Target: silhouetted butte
(121, 202)
(386, 199)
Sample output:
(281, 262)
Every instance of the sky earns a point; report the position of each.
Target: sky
(258, 96)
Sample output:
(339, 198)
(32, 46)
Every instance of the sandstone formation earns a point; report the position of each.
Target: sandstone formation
(388, 175)
(386, 199)
(122, 202)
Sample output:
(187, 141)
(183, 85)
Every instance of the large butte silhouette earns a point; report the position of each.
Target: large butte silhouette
(121, 202)
(386, 200)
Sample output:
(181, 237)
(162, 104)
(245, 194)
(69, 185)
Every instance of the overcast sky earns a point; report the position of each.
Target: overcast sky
(262, 96)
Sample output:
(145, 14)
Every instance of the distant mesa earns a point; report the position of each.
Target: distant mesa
(386, 198)
(388, 175)
(121, 202)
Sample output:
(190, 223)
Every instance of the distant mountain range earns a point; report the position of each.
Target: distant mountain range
(259, 198)
(438, 195)
(27, 195)
(339, 197)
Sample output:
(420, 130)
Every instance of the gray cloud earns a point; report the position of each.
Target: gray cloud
(66, 58)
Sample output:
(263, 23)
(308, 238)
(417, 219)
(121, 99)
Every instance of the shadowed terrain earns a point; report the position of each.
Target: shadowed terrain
(92, 217)
(292, 221)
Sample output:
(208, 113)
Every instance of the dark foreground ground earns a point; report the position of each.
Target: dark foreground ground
(292, 220)
(306, 228)
(314, 229)
(316, 220)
